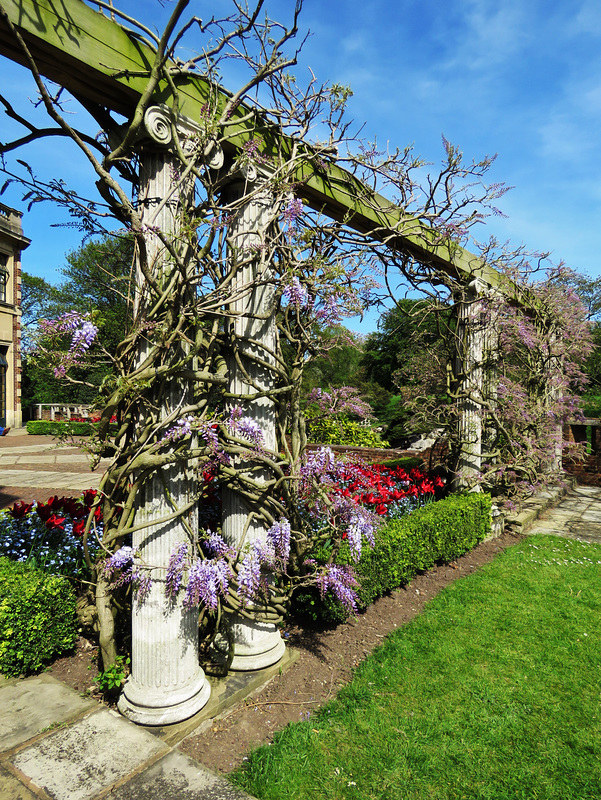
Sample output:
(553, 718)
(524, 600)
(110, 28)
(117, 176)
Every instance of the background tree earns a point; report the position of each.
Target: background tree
(406, 356)
(97, 281)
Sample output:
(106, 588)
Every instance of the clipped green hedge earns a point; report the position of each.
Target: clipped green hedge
(436, 533)
(37, 617)
(47, 427)
(406, 462)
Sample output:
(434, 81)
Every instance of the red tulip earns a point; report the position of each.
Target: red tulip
(20, 509)
(55, 523)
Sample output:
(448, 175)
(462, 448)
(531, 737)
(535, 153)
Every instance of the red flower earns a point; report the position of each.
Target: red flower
(57, 503)
(44, 510)
(20, 509)
(79, 527)
(74, 509)
(55, 523)
(89, 497)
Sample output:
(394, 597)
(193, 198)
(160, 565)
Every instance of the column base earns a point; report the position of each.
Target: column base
(135, 703)
(256, 645)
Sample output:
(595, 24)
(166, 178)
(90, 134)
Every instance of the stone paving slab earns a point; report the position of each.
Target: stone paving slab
(82, 760)
(12, 789)
(30, 706)
(50, 480)
(177, 777)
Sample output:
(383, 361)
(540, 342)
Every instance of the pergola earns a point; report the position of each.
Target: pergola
(100, 62)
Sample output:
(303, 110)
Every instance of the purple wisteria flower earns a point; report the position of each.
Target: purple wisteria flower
(278, 538)
(342, 582)
(245, 427)
(181, 429)
(217, 546)
(341, 400)
(207, 580)
(249, 575)
(293, 210)
(297, 295)
(360, 526)
(331, 312)
(121, 571)
(83, 334)
(141, 583)
(124, 557)
(175, 571)
(83, 338)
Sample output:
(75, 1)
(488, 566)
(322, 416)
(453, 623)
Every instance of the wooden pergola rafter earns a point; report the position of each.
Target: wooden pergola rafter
(102, 62)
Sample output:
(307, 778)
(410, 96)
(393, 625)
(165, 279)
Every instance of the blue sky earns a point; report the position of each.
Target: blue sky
(521, 78)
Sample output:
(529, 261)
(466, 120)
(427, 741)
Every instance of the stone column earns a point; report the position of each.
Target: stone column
(555, 464)
(166, 684)
(470, 380)
(256, 644)
(490, 379)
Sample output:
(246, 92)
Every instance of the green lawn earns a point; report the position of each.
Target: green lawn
(494, 692)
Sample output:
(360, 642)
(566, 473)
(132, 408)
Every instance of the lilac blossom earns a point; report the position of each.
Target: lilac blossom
(342, 583)
(207, 581)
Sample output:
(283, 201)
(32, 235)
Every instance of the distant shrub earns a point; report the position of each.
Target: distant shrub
(591, 405)
(37, 618)
(342, 430)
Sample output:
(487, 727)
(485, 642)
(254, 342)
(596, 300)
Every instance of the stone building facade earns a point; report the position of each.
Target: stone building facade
(12, 243)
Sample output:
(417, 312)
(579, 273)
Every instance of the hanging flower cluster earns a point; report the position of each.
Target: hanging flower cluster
(83, 334)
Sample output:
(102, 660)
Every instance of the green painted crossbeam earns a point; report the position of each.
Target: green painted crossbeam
(98, 60)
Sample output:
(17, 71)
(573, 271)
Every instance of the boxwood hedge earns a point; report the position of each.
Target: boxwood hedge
(436, 533)
(37, 617)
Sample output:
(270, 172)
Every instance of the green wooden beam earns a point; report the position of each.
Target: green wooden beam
(98, 60)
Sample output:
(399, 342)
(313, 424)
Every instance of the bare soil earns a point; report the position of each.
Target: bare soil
(327, 658)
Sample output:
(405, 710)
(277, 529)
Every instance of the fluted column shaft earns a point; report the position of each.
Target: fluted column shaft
(256, 644)
(166, 684)
(471, 331)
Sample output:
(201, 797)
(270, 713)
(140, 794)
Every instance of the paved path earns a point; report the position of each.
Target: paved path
(38, 463)
(56, 744)
(577, 516)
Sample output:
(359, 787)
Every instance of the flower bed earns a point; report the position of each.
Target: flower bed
(48, 535)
